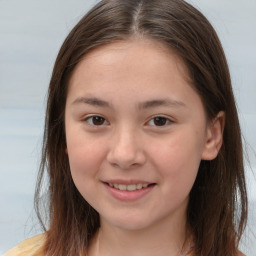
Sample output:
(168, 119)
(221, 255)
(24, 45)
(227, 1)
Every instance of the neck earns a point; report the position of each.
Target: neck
(154, 240)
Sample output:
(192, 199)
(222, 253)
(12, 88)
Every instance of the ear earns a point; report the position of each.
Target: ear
(214, 137)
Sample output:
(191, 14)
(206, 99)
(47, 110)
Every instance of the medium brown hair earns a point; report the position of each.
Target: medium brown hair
(217, 210)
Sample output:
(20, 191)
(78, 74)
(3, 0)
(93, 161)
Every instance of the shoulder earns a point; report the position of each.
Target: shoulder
(238, 254)
(29, 247)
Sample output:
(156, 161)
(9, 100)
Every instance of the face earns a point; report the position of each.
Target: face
(136, 132)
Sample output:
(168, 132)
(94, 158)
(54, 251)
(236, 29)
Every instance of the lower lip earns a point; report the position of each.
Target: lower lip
(124, 195)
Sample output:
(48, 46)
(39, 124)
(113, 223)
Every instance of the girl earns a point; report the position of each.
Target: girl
(142, 142)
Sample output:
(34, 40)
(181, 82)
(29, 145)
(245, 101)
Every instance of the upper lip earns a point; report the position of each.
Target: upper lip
(127, 182)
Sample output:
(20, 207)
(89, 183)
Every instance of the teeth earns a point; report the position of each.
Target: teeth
(139, 186)
(122, 187)
(131, 187)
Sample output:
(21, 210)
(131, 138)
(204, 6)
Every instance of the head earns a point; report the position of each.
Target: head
(213, 200)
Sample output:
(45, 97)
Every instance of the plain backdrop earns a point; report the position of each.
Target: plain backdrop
(31, 33)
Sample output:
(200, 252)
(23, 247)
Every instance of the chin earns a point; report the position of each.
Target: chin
(131, 223)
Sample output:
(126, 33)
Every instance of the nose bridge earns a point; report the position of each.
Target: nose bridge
(126, 147)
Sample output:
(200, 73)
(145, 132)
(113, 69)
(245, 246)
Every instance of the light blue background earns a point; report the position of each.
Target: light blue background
(31, 32)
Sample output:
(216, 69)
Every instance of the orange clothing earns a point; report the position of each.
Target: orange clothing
(31, 247)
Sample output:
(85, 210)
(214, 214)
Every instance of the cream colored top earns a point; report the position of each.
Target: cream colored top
(31, 247)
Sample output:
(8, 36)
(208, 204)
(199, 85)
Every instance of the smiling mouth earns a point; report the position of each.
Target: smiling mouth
(130, 187)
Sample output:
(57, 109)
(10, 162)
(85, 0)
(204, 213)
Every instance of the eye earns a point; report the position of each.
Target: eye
(159, 121)
(96, 120)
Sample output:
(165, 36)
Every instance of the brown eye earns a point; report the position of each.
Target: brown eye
(160, 121)
(96, 120)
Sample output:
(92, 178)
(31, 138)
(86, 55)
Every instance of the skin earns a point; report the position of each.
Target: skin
(126, 142)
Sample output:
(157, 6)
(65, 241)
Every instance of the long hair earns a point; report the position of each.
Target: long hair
(217, 209)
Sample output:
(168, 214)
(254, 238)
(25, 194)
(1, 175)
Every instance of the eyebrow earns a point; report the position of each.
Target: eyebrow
(91, 101)
(143, 105)
(161, 102)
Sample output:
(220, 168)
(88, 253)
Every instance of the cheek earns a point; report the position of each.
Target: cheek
(178, 160)
(85, 161)
(85, 157)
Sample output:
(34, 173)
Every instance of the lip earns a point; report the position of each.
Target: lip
(128, 196)
(127, 182)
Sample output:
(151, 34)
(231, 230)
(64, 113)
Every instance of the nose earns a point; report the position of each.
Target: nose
(126, 149)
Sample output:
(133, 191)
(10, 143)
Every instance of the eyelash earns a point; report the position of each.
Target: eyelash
(89, 120)
(166, 121)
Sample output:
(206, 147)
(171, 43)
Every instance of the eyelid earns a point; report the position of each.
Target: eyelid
(169, 120)
(90, 116)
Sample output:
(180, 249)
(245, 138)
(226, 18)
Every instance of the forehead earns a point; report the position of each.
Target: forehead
(135, 69)
(135, 52)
